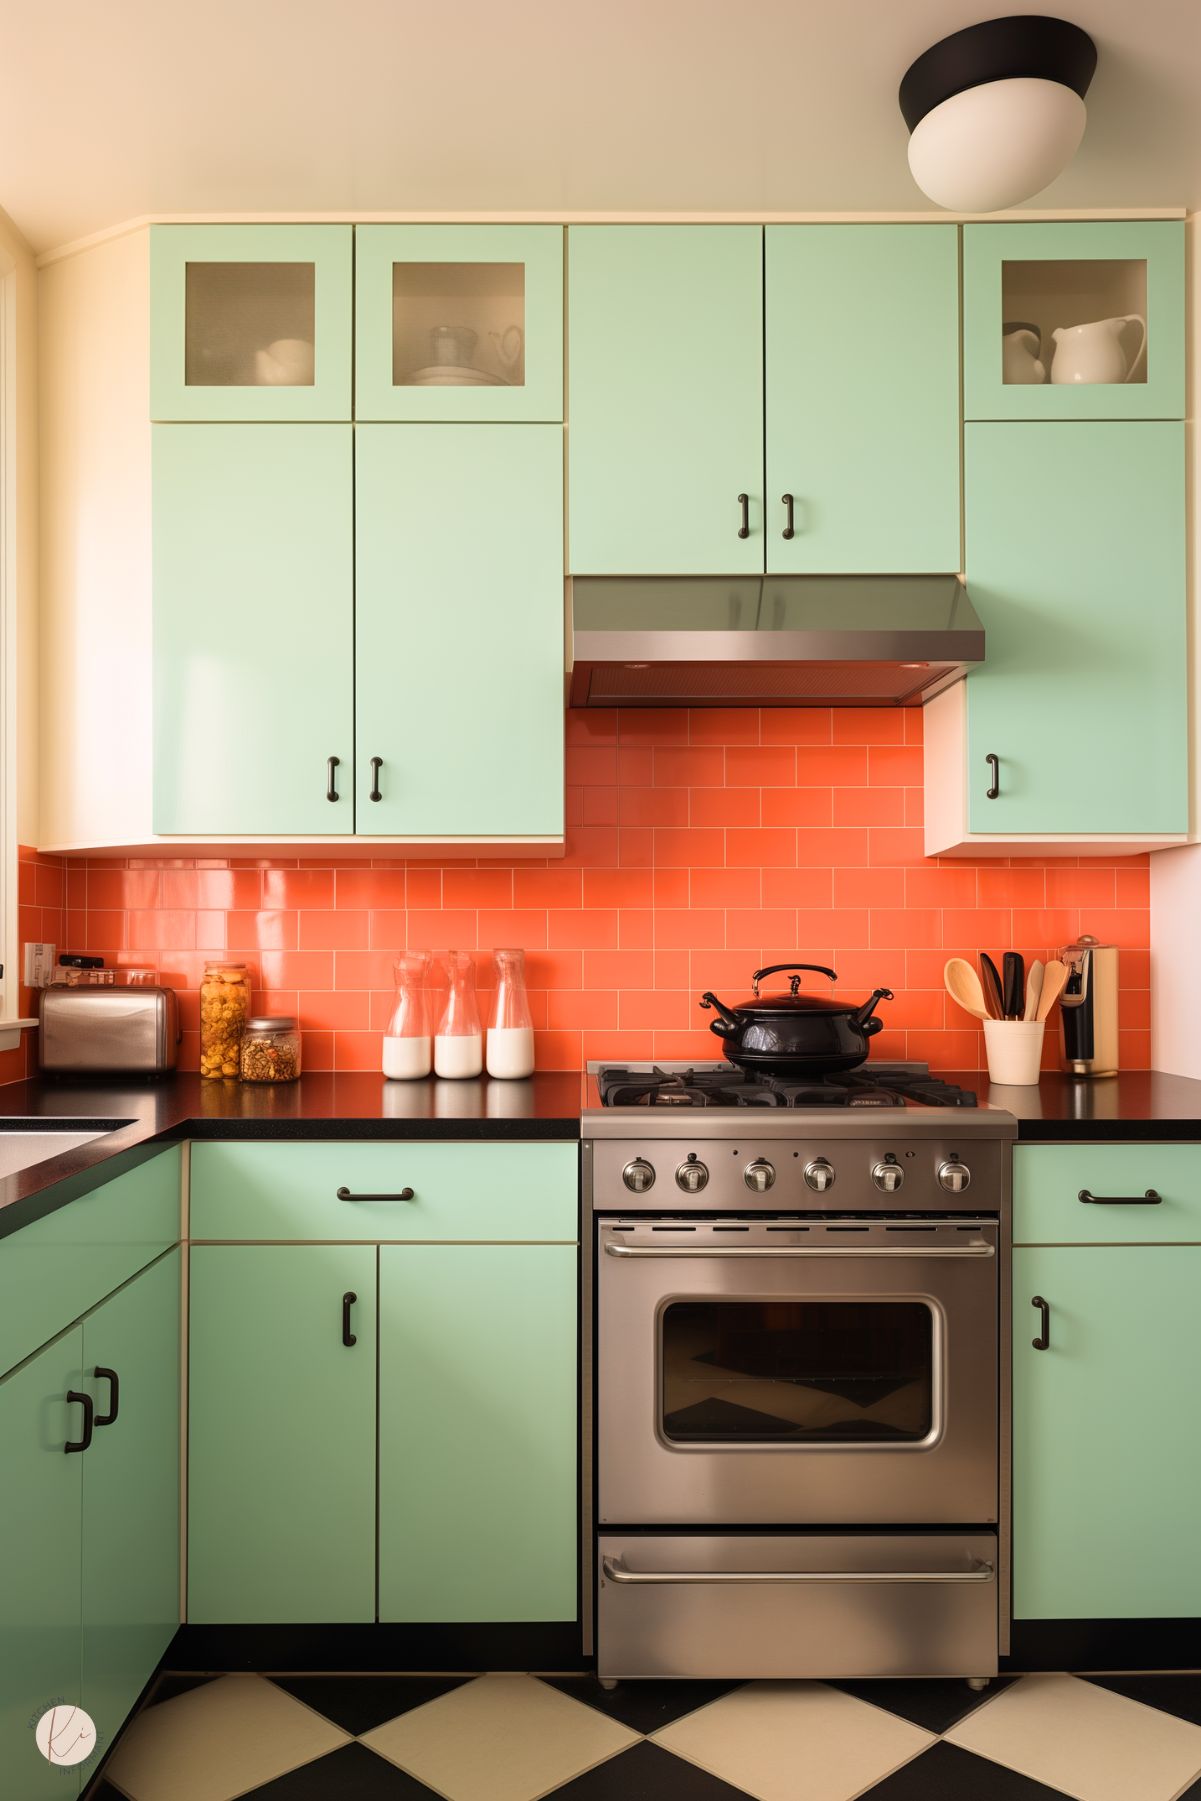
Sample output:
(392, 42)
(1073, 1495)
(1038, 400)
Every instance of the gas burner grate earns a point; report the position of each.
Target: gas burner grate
(722, 1085)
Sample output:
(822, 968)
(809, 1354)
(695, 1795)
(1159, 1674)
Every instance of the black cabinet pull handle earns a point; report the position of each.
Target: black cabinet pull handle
(789, 528)
(85, 1401)
(1043, 1341)
(114, 1394)
(405, 1194)
(377, 764)
(744, 530)
(348, 1301)
(994, 765)
(1152, 1198)
(331, 786)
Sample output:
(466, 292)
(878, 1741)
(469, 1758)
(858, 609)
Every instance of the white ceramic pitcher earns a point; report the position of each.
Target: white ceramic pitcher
(1094, 353)
(1020, 360)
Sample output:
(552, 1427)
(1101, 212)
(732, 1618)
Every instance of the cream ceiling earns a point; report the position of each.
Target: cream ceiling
(112, 109)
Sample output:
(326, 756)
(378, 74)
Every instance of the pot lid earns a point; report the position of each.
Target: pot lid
(794, 1001)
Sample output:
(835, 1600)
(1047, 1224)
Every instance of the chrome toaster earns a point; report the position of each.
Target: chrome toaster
(108, 1031)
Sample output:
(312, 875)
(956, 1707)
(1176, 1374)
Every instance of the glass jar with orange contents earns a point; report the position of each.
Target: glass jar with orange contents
(224, 1004)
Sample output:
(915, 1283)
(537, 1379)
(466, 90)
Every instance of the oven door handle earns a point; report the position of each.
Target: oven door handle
(615, 1249)
(616, 1572)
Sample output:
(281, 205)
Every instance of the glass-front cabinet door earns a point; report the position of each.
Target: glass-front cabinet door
(250, 322)
(1078, 320)
(459, 322)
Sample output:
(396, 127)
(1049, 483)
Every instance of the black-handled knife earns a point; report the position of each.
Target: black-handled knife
(1014, 986)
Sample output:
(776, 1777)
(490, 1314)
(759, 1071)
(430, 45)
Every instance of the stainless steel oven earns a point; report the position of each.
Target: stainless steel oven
(813, 1372)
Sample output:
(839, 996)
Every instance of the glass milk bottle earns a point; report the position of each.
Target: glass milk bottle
(511, 1033)
(459, 1043)
(407, 1048)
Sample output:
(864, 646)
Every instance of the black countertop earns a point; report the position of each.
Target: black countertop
(1138, 1104)
(150, 1114)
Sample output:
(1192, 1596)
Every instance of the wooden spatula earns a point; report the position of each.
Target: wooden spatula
(1055, 978)
(1034, 989)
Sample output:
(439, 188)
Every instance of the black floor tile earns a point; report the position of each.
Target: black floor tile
(936, 1705)
(1180, 1694)
(351, 1774)
(642, 1706)
(169, 1685)
(947, 1773)
(357, 1703)
(646, 1773)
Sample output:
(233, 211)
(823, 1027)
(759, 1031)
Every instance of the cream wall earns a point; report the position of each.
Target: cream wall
(18, 376)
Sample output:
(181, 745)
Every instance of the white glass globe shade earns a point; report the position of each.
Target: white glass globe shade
(995, 145)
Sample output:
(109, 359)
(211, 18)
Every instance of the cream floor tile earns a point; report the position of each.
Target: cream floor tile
(1085, 1740)
(218, 1741)
(499, 1738)
(794, 1741)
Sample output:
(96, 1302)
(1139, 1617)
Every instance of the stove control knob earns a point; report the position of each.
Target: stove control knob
(639, 1175)
(954, 1175)
(819, 1175)
(692, 1176)
(888, 1176)
(759, 1175)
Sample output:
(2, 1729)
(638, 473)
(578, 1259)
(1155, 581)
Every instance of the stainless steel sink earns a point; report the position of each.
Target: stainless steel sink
(21, 1147)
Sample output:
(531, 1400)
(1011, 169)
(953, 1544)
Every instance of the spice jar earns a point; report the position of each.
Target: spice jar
(224, 1004)
(270, 1050)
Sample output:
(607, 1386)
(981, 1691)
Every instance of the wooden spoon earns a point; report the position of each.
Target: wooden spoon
(1055, 978)
(963, 986)
(1034, 989)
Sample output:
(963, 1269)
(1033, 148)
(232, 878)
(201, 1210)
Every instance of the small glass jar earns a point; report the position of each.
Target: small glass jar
(224, 1004)
(270, 1050)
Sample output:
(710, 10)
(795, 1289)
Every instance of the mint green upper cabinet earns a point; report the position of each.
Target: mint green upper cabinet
(459, 630)
(665, 399)
(862, 398)
(1075, 541)
(478, 1434)
(459, 322)
(131, 1492)
(41, 1501)
(1107, 1433)
(281, 1434)
(250, 321)
(253, 629)
(1064, 275)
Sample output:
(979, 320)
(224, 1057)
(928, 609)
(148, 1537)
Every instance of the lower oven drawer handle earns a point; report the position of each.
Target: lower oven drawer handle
(616, 1572)
(615, 1249)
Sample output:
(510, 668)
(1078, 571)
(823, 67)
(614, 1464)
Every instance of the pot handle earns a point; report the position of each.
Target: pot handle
(867, 1019)
(725, 1023)
(775, 969)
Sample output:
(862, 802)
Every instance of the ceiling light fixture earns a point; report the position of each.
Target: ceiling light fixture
(996, 111)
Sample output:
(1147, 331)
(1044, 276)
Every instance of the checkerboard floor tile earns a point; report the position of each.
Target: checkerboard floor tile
(526, 1738)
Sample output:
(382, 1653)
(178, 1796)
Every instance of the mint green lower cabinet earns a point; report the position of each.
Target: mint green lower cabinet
(281, 1440)
(458, 631)
(665, 399)
(1075, 558)
(862, 395)
(41, 1494)
(1107, 1433)
(478, 1432)
(253, 629)
(131, 1493)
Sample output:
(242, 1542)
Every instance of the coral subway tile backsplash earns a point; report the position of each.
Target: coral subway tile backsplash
(700, 845)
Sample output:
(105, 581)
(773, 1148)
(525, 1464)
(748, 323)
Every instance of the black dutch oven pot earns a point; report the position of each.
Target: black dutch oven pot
(796, 1034)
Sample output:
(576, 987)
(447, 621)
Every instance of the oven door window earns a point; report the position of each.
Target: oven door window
(796, 1372)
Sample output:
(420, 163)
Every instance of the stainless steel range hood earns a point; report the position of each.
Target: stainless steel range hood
(770, 641)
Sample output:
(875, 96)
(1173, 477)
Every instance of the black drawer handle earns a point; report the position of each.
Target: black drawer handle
(331, 783)
(114, 1394)
(994, 787)
(1152, 1198)
(348, 1301)
(789, 523)
(1043, 1341)
(85, 1401)
(744, 530)
(405, 1194)
(377, 764)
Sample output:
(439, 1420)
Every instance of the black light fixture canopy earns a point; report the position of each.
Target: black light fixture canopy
(1024, 45)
